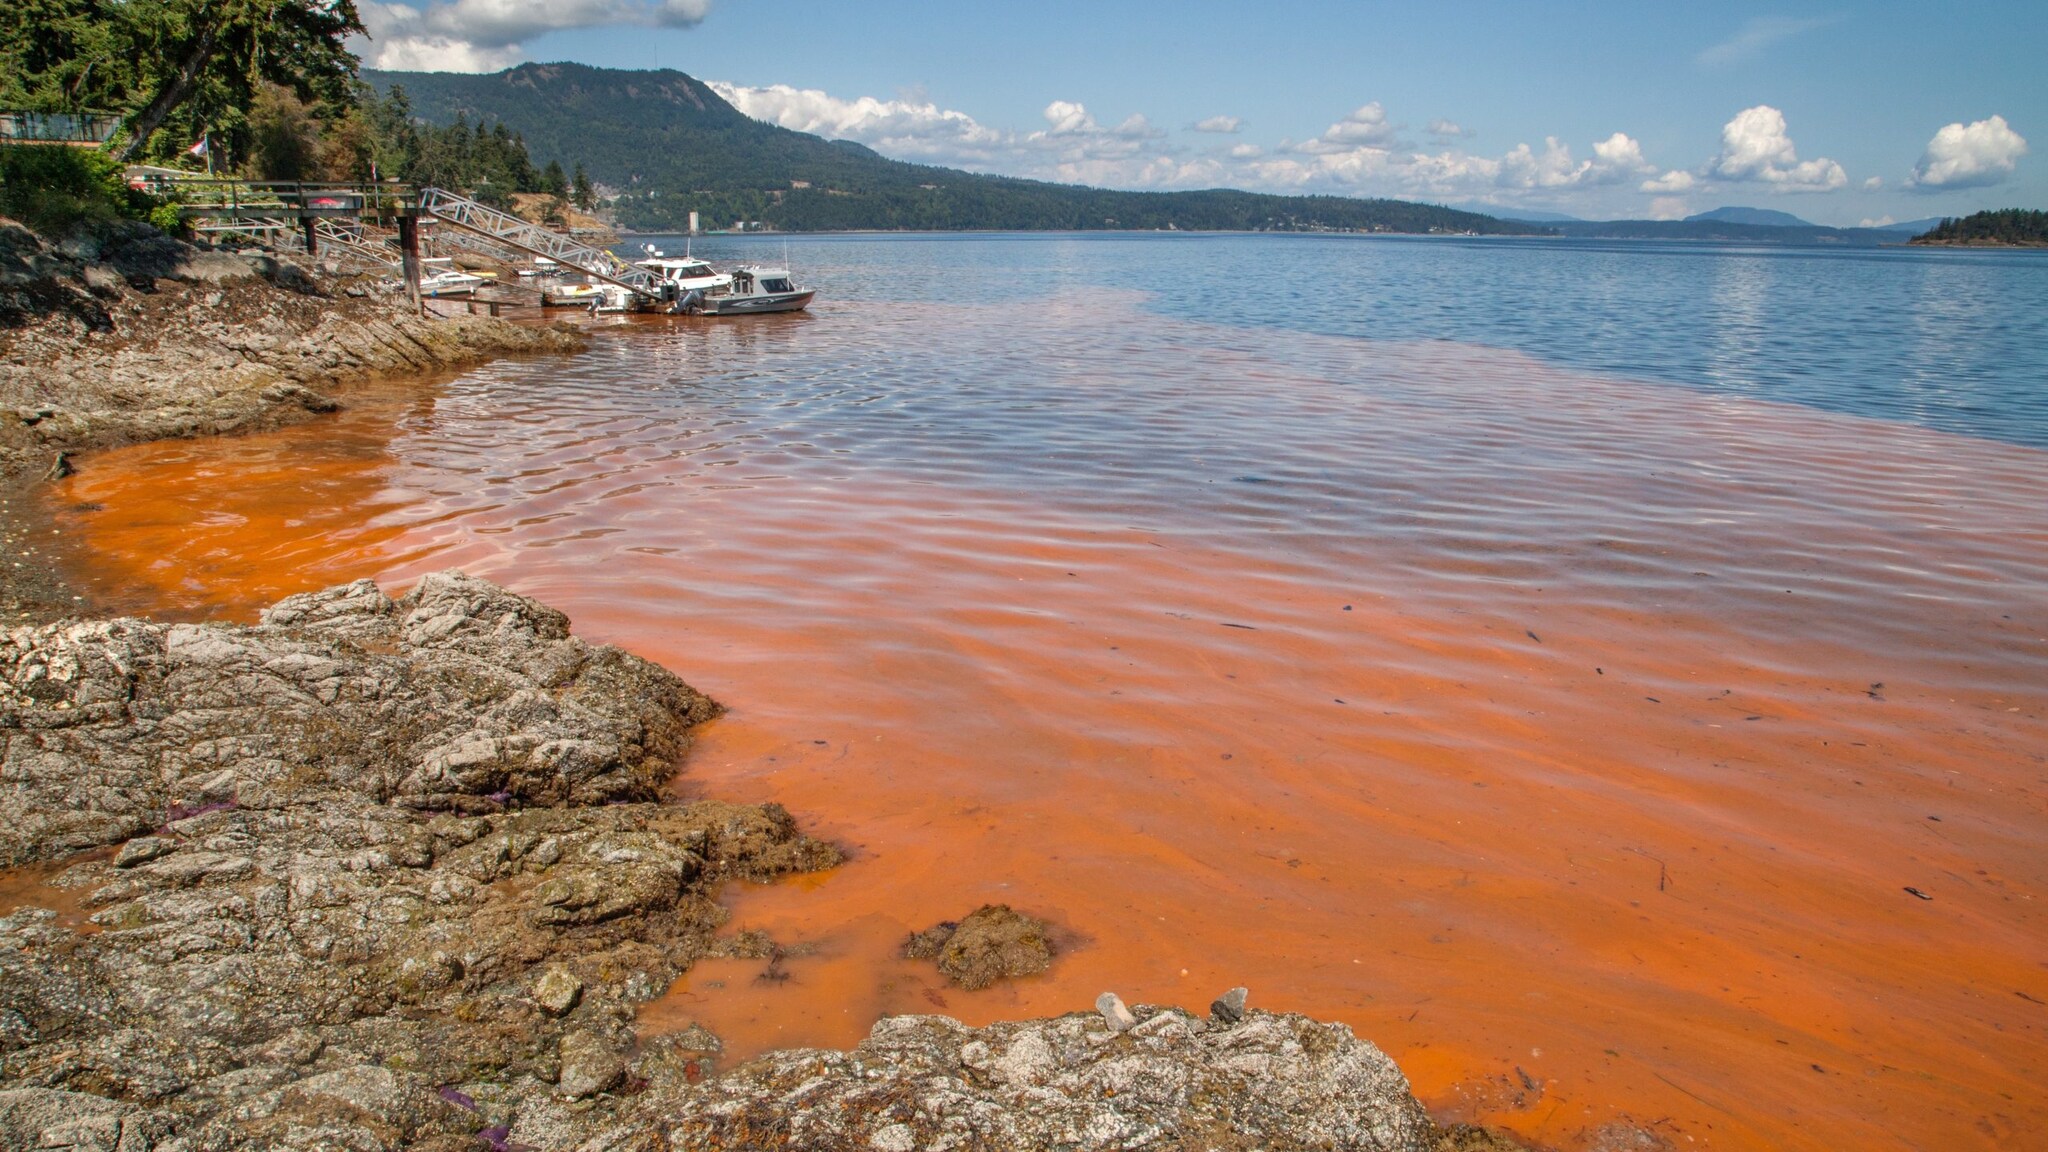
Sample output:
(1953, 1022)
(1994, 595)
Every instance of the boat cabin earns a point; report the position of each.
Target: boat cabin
(685, 272)
(751, 281)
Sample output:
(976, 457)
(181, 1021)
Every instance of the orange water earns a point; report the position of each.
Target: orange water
(1549, 730)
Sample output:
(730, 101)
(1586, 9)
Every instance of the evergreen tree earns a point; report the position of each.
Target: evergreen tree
(553, 182)
(584, 197)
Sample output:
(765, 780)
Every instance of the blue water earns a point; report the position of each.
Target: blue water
(1949, 339)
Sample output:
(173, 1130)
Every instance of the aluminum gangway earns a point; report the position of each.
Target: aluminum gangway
(508, 231)
(348, 242)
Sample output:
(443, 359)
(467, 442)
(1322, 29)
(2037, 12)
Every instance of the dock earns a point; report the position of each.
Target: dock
(377, 226)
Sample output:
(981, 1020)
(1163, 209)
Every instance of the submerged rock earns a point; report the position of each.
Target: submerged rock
(993, 943)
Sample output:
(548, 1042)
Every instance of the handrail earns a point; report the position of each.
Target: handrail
(204, 195)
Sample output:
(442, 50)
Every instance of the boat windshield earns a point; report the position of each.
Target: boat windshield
(776, 284)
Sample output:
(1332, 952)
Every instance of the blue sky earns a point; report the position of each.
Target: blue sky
(1838, 113)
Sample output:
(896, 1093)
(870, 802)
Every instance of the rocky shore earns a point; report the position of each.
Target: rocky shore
(384, 874)
(133, 335)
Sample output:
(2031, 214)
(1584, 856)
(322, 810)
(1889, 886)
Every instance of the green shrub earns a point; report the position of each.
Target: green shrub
(56, 190)
(165, 218)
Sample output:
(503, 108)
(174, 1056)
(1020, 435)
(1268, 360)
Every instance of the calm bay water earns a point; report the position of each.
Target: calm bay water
(1945, 338)
(1545, 658)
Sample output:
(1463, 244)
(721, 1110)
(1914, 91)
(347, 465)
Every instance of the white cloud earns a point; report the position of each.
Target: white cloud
(1073, 145)
(1668, 208)
(1444, 129)
(1755, 147)
(1879, 222)
(1873, 184)
(1222, 124)
(1753, 37)
(1615, 159)
(486, 35)
(1969, 156)
(908, 129)
(1366, 127)
(1676, 180)
(1359, 154)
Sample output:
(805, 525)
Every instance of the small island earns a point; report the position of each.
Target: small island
(2004, 228)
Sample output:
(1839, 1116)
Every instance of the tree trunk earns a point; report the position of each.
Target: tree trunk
(171, 95)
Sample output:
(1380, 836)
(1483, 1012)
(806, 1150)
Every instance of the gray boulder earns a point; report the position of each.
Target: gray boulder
(1072, 1083)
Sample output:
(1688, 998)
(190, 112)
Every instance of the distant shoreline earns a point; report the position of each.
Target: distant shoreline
(2021, 245)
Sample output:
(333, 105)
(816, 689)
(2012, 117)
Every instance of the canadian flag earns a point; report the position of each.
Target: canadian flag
(201, 148)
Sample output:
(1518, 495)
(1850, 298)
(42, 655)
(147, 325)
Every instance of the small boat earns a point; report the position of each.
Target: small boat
(445, 285)
(754, 288)
(570, 295)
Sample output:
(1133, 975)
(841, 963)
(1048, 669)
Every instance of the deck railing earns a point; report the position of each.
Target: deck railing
(200, 197)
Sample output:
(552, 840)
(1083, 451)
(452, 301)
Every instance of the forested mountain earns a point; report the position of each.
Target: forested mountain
(1767, 217)
(669, 145)
(2005, 228)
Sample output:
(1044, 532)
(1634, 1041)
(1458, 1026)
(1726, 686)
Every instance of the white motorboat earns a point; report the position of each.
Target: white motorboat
(450, 284)
(753, 288)
(685, 274)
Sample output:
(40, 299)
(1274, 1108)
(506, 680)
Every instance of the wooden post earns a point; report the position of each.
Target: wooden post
(312, 239)
(409, 249)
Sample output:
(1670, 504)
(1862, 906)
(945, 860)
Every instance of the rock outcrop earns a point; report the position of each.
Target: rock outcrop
(1171, 1081)
(361, 851)
(460, 697)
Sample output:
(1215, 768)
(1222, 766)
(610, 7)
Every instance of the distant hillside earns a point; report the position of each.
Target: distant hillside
(1912, 227)
(2005, 228)
(1525, 215)
(1723, 232)
(670, 145)
(1767, 217)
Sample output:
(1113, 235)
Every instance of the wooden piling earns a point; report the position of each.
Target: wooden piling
(409, 259)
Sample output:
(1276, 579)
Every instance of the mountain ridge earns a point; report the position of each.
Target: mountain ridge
(1759, 217)
(669, 144)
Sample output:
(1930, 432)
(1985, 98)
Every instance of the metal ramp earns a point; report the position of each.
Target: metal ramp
(358, 243)
(508, 231)
(348, 242)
